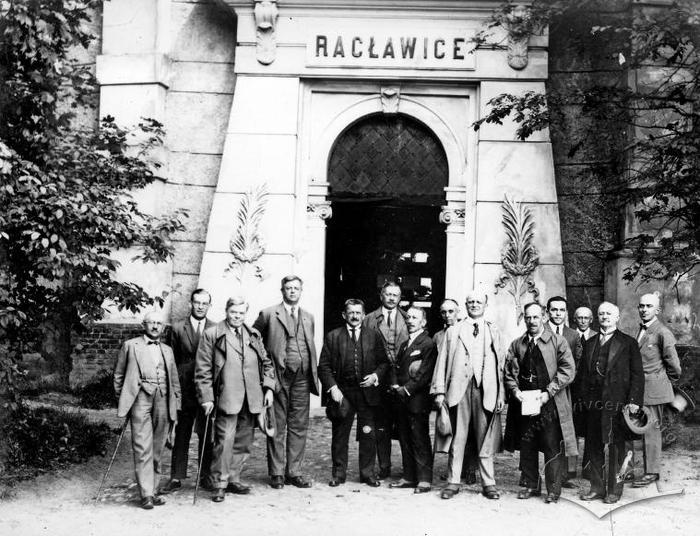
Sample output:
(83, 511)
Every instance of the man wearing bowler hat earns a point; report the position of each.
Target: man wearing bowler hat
(352, 363)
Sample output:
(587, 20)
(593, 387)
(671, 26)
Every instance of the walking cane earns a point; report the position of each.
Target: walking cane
(201, 459)
(111, 462)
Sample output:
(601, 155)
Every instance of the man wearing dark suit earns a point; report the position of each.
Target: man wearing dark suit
(184, 338)
(657, 346)
(469, 379)
(583, 318)
(415, 361)
(389, 321)
(540, 362)
(352, 362)
(146, 384)
(233, 373)
(612, 378)
(557, 314)
(288, 332)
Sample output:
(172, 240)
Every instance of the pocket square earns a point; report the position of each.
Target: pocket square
(414, 352)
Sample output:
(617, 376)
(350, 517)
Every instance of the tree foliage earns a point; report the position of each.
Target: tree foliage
(66, 189)
(656, 103)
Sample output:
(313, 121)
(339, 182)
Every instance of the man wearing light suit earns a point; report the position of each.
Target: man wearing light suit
(661, 366)
(233, 372)
(288, 333)
(469, 378)
(184, 339)
(390, 322)
(147, 386)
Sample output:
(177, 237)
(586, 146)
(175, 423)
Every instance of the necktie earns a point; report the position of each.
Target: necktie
(642, 331)
(353, 335)
(294, 316)
(583, 339)
(199, 328)
(558, 330)
(388, 319)
(476, 330)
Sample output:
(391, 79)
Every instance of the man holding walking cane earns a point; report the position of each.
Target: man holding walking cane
(148, 389)
(235, 379)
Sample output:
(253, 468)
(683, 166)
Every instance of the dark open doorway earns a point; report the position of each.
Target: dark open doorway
(387, 176)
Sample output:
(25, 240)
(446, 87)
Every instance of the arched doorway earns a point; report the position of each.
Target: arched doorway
(387, 175)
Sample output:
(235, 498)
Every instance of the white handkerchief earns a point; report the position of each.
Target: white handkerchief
(415, 352)
(531, 402)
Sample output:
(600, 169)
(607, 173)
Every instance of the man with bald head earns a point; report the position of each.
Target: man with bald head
(469, 378)
(612, 379)
(661, 366)
(147, 386)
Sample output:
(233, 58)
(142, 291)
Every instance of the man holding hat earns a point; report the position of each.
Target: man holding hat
(612, 379)
(657, 346)
(353, 362)
(234, 374)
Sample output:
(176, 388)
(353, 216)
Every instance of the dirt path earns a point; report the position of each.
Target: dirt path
(61, 504)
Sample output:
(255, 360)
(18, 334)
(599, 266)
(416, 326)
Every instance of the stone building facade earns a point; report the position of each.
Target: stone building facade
(333, 139)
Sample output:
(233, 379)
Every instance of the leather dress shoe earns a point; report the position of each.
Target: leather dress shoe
(218, 495)
(645, 480)
(158, 501)
(384, 473)
(422, 487)
(449, 492)
(371, 482)
(611, 498)
(591, 496)
(298, 481)
(238, 488)
(490, 492)
(402, 484)
(277, 482)
(336, 481)
(568, 484)
(528, 492)
(173, 485)
(147, 503)
(551, 498)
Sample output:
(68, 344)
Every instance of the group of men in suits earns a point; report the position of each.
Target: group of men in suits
(558, 383)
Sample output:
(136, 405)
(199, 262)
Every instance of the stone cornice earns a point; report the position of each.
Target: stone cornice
(447, 6)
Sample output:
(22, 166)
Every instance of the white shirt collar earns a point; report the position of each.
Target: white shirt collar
(554, 327)
(584, 333)
(535, 338)
(288, 307)
(412, 337)
(357, 329)
(647, 324)
(605, 334)
(386, 312)
(195, 323)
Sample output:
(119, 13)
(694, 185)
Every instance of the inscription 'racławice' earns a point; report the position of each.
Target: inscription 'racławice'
(394, 51)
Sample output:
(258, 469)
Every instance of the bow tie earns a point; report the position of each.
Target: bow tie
(642, 326)
(153, 342)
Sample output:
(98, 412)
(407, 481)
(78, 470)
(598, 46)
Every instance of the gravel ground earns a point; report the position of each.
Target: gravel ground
(62, 503)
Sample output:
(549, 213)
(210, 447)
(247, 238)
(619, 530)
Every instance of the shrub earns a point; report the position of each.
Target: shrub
(40, 439)
(99, 393)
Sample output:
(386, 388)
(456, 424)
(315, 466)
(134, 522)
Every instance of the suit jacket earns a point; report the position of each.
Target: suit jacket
(374, 320)
(660, 362)
(415, 363)
(244, 372)
(372, 359)
(561, 369)
(272, 324)
(453, 368)
(623, 382)
(573, 339)
(127, 376)
(184, 341)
